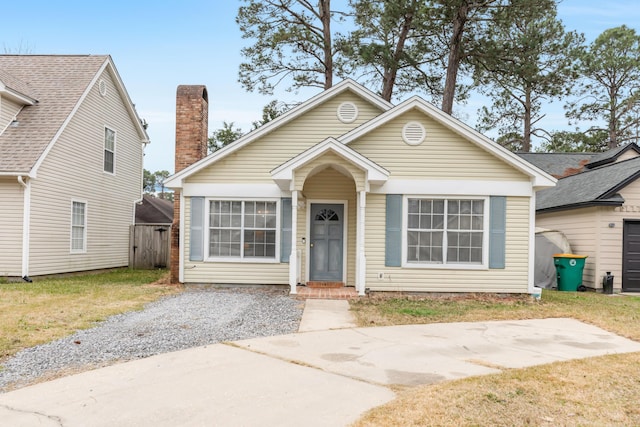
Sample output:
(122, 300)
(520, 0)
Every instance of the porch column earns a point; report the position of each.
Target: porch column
(293, 258)
(361, 260)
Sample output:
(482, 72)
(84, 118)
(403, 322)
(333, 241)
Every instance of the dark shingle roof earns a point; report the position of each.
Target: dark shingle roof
(558, 164)
(611, 155)
(59, 82)
(154, 211)
(594, 187)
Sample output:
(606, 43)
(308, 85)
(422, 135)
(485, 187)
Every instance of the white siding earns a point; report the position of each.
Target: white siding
(11, 194)
(8, 112)
(73, 169)
(512, 279)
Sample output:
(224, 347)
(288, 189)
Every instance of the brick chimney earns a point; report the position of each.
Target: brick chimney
(192, 117)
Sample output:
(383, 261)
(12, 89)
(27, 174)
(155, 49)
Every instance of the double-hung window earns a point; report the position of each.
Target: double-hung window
(78, 226)
(242, 229)
(109, 150)
(446, 231)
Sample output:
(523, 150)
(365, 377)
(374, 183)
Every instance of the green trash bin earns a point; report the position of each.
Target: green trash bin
(569, 269)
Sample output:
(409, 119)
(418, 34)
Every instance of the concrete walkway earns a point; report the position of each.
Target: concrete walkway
(314, 378)
(322, 314)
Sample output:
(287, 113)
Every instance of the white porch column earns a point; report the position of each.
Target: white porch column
(361, 260)
(293, 258)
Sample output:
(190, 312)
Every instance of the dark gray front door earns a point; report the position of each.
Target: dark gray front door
(631, 257)
(325, 248)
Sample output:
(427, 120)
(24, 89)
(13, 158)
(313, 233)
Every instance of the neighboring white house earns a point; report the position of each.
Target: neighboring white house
(347, 188)
(71, 150)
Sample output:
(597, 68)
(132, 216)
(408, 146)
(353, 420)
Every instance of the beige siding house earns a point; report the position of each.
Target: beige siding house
(349, 190)
(71, 150)
(597, 207)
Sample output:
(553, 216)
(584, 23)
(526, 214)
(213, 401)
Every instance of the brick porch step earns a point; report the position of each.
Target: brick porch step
(325, 285)
(305, 292)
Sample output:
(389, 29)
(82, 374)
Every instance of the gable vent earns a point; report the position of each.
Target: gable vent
(413, 133)
(102, 87)
(347, 112)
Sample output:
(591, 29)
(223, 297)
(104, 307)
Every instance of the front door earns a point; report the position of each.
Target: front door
(631, 257)
(326, 245)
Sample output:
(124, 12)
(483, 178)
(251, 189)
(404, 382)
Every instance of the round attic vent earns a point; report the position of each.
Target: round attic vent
(347, 112)
(413, 133)
(102, 86)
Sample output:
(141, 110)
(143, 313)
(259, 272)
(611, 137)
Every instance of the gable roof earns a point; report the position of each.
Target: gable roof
(540, 178)
(60, 83)
(153, 210)
(175, 181)
(283, 174)
(595, 187)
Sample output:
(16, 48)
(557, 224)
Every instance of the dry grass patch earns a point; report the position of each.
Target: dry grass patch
(587, 392)
(51, 308)
(600, 391)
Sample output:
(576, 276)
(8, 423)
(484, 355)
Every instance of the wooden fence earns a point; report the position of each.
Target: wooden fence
(149, 246)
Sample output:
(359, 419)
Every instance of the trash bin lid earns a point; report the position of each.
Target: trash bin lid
(569, 256)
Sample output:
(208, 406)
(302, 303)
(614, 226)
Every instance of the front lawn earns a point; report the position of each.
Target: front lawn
(51, 308)
(599, 391)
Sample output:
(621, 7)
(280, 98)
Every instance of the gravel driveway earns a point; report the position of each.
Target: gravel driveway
(198, 316)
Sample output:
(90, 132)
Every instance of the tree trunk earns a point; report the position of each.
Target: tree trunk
(325, 18)
(455, 55)
(526, 133)
(390, 74)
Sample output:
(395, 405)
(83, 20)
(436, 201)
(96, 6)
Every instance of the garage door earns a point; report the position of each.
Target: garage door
(631, 257)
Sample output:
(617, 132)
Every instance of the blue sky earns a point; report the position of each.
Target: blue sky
(158, 45)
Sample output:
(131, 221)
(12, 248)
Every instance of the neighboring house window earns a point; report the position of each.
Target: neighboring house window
(242, 229)
(109, 150)
(78, 227)
(445, 231)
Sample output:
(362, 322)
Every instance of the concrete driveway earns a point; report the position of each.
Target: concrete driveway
(319, 378)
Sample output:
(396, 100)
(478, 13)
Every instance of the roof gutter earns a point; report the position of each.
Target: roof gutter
(17, 96)
(581, 205)
(26, 223)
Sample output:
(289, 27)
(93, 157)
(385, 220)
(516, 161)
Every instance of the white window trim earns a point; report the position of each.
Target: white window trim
(84, 236)
(104, 149)
(253, 260)
(451, 266)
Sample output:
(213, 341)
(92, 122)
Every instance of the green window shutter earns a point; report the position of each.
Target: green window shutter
(196, 231)
(497, 231)
(393, 236)
(285, 229)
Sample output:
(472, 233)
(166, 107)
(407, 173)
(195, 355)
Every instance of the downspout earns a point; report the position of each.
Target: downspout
(532, 241)
(26, 222)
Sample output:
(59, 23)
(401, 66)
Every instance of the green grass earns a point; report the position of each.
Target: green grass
(50, 308)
